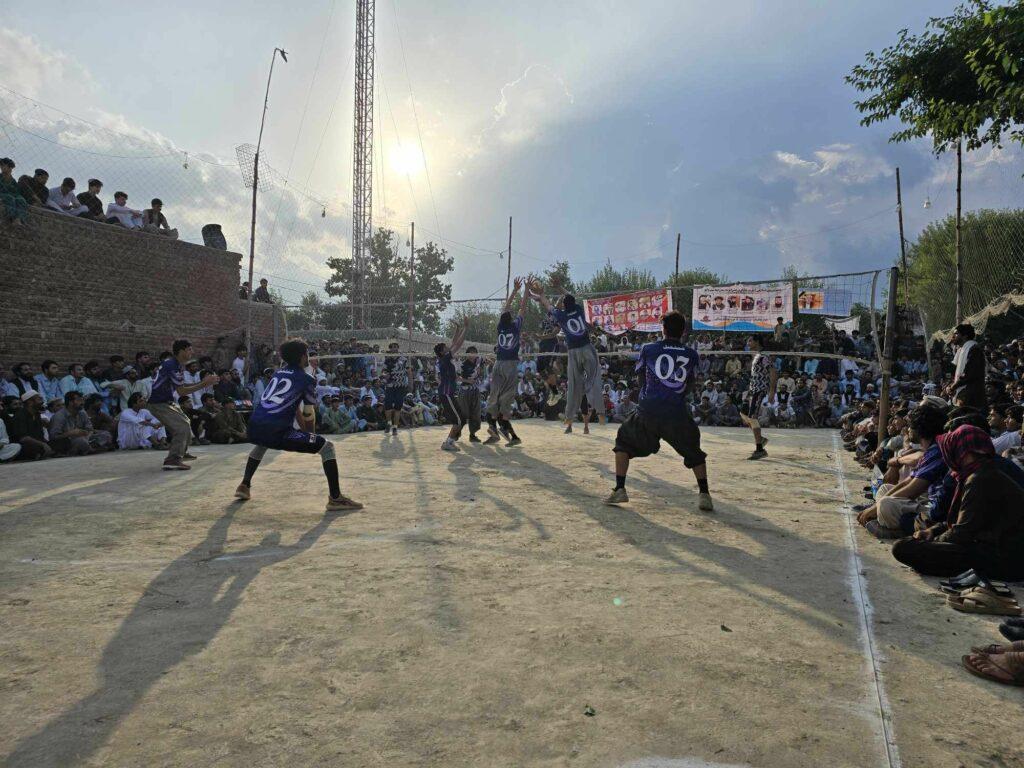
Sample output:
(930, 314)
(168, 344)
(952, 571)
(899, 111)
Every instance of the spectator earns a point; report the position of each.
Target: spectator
(26, 427)
(63, 199)
(238, 364)
(116, 369)
(77, 381)
(144, 364)
(122, 214)
(23, 380)
(243, 292)
(138, 428)
(366, 413)
(153, 220)
(71, 431)
(728, 414)
(130, 385)
(90, 199)
(985, 526)
(262, 293)
(101, 421)
(33, 188)
(7, 388)
(46, 383)
(14, 203)
(228, 426)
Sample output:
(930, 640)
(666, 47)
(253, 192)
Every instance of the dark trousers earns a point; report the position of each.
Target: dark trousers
(469, 402)
(943, 558)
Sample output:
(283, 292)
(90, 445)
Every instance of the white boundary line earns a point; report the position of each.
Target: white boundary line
(858, 587)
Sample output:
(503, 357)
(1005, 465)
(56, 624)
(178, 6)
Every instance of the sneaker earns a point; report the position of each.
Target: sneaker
(449, 445)
(760, 453)
(568, 429)
(188, 457)
(394, 431)
(618, 496)
(474, 439)
(880, 532)
(175, 464)
(342, 504)
(492, 436)
(504, 433)
(242, 492)
(203, 441)
(704, 503)
(513, 442)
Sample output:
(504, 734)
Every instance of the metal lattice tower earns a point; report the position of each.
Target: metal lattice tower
(362, 157)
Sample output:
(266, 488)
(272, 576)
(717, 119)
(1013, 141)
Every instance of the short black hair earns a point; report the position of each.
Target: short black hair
(471, 350)
(928, 421)
(42, 172)
(43, 365)
(205, 396)
(505, 320)
(134, 398)
(292, 351)
(92, 399)
(674, 324)
(71, 368)
(116, 358)
(439, 348)
(69, 396)
(966, 330)
(568, 302)
(120, 194)
(179, 345)
(95, 183)
(758, 340)
(7, 161)
(68, 182)
(156, 201)
(140, 354)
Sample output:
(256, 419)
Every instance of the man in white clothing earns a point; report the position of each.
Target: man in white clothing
(137, 427)
(128, 217)
(63, 200)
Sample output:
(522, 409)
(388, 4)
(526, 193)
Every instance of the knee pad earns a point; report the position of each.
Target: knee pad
(327, 452)
(257, 453)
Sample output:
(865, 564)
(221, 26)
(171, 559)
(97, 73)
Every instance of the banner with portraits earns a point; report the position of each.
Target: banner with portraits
(639, 311)
(745, 308)
(824, 301)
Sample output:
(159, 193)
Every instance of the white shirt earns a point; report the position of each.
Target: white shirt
(1006, 440)
(64, 203)
(364, 391)
(129, 217)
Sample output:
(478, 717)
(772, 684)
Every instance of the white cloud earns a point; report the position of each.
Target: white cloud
(38, 71)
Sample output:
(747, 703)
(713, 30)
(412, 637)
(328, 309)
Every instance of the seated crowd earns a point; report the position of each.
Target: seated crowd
(18, 195)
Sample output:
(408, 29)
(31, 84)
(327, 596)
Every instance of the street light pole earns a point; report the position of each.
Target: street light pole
(252, 226)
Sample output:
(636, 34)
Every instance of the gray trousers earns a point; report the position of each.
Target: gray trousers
(584, 371)
(179, 431)
(504, 383)
(469, 401)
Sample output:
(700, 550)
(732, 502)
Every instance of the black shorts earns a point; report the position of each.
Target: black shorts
(294, 440)
(544, 362)
(641, 435)
(394, 398)
(751, 405)
(450, 408)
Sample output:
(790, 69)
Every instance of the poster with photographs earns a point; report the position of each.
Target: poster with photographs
(830, 301)
(640, 311)
(743, 308)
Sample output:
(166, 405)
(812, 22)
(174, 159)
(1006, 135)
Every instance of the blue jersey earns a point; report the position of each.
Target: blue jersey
(574, 326)
(507, 347)
(445, 374)
(666, 368)
(276, 410)
(169, 376)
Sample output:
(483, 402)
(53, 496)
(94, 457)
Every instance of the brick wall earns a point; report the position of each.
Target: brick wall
(74, 290)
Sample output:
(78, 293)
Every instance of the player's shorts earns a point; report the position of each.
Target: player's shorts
(451, 410)
(294, 440)
(751, 405)
(641, 435)
(544, 362)
(394, 398)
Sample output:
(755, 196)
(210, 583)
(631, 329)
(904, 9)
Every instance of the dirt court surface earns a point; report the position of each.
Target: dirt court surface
(476, 612)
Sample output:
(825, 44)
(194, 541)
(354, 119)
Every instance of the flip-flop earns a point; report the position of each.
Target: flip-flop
(965, 579)
(980, 591)
(995, 649)
(996, 588)
(1005, 668)
(1011, 632)
(983, 603)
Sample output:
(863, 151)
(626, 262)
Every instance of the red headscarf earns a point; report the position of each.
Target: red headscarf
(964, 450)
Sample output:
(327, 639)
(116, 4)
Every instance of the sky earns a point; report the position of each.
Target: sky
(603, 128)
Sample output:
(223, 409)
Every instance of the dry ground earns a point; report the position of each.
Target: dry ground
(472, 614)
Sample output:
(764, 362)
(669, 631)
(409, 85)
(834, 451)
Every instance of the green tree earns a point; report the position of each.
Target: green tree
(993, 256)
(682, 298)
(481, 322)
(308, 314)
(958, 80)
(608, 279)
(388, 283)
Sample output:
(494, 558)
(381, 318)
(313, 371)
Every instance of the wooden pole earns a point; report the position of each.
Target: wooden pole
(959, 263)
(412, 274)
(675, 276)
(903, 240)
(508, 275)
(887, 354)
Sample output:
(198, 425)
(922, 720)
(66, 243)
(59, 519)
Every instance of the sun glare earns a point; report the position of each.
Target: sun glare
(406, 160)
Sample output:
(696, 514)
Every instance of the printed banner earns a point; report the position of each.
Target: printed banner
(640, 311)
(848, 324)
(741, 307)
(828, 301)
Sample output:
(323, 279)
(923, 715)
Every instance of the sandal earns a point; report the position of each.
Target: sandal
(995, 650)
(1005, 668)
(983, 602)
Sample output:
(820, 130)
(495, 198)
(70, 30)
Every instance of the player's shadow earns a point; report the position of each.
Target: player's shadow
(462, 466)
(179, 613)
(767, 578)
(390, 448)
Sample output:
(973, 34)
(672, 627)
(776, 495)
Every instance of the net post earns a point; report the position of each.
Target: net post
(887, 354)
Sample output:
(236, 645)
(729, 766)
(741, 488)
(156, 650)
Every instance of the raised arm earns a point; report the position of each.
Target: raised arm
(537, 290)
(526, 297)
(512, 296)
(458, 338)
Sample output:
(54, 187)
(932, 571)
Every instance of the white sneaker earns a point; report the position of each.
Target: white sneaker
(449, 445)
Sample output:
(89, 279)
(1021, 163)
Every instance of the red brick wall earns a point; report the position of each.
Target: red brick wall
(75, 290)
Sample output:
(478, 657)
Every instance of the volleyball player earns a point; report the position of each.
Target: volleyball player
(583, 368)
(469, 391)
(762, 385)
(396, 385)
(447, 387)
(290, 398)
(665, 369)
(505, 372)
